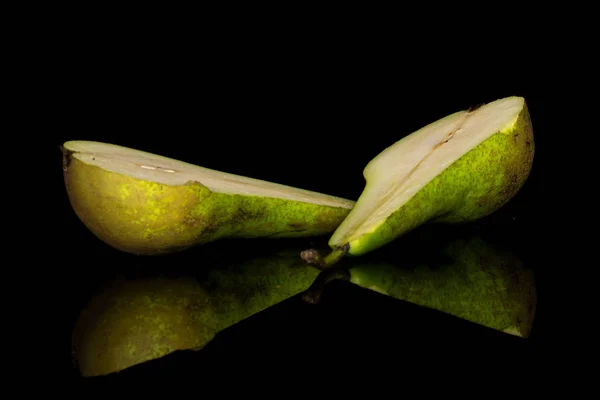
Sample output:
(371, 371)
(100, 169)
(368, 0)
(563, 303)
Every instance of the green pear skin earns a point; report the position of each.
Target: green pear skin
(481, 284)
(144, 217)
(132, 320)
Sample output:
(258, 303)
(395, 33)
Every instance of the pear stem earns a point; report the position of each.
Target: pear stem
(312, 257)
(313, 294)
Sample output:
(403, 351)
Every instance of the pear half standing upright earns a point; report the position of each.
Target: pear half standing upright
(145, 204)
(460, 168)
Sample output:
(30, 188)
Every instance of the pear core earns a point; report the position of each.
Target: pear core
(155, 168)
(403, 169)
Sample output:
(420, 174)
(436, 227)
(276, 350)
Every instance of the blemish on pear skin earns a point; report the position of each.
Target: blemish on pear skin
(297, 226)
(323, 221)
(194, 221)
(512, 186)
(246, 212)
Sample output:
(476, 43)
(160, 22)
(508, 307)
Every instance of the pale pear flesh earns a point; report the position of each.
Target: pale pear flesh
(167, 171)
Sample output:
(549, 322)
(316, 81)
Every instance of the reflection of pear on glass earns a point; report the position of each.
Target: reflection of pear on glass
(136, 319)
(478, 283)
(133, 320)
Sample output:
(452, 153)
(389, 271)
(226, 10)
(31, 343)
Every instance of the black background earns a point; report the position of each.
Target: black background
(306, 112)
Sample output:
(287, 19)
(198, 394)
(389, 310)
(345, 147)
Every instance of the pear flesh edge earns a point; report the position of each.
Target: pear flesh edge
(146, 204)
(460, 168)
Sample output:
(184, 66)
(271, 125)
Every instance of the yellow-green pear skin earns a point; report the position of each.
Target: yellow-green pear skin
(133, 319)
(145, 217)
(475, 184)
(136, 321)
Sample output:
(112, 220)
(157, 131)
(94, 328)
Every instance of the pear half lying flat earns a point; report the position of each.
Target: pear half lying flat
(460, 168)
(143, 203)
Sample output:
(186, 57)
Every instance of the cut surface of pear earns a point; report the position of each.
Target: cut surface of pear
(457, 169)
(156, 168)
(146, 203)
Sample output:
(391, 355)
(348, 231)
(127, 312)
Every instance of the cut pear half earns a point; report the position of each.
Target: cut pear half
(146, 203)
(457, 169)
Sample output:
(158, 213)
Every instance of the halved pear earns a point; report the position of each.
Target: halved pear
(145, 203)
(460, 168)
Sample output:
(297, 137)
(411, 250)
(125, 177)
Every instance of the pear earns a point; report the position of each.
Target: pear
(458, 169)
(476, 281)
(147, 315)
(147, 204)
